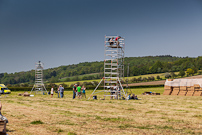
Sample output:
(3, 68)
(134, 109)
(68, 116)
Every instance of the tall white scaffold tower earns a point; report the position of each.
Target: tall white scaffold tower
(39, 85)
(113, 68)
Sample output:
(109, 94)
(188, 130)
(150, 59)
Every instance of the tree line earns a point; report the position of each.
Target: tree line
(85, 70)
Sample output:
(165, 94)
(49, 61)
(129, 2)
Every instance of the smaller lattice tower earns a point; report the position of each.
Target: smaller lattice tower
(39, 86)
(113, 68)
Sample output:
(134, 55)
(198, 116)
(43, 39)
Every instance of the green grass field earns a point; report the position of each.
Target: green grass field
(148, 75)
(80, 76)
(149, 115)
(139, 91)
(73, 82)
(98, 80)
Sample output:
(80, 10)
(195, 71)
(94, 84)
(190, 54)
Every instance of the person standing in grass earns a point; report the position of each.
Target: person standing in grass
(52, 90)
(79, 91)
(61, 91)
(83, 91)
(74, 91)
(58, 92)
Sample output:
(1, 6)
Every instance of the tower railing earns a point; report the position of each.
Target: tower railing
(113, 67)
(39, 85)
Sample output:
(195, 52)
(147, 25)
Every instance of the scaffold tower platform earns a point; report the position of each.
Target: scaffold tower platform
(39, 86)
(113, 68)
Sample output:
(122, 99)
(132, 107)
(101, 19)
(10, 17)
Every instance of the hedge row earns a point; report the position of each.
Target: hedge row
(146, 86)
(70, 88)
(48, 89)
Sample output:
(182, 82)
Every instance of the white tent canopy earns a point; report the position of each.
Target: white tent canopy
(184, 82)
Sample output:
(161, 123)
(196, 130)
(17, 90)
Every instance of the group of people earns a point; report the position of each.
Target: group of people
(80, 92)
(60, 91)
(77, 91)
(114, 91)
(132, 97)
(112, 41)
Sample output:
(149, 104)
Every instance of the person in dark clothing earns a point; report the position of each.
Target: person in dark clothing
(74, 91)
(134, 97)
(111, 42)
(58, 92)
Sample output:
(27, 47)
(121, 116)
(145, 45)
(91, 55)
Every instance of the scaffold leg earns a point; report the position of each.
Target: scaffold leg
(123, 89)
(95, 88)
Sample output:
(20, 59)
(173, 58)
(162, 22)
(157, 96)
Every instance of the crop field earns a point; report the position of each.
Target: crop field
(156, 82)
(98, 80)
(148, 115)
(79, 76)
(73, 82)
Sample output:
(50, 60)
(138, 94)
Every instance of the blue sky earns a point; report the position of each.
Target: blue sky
(63, 32)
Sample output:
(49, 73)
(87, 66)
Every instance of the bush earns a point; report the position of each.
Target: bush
(36, 122)
(144, 79)
(195, 70)
(181, 73)
(133, 80)
(173, 75)
(200, 72)
(20, 88)
(152, 78)
(167, 75)
(190, 71)
(139, 79)
(158, 77)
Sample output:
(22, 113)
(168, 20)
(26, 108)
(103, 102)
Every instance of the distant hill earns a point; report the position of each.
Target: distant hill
(85, 70)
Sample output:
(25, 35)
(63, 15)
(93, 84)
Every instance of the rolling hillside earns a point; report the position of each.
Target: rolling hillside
(94, 70)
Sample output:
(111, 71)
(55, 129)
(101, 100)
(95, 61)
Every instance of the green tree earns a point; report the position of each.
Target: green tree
(195, 70)
(156, 67)
(158, 77)
(53, 79)
(133, 80)
(138, 66)
(181, 73)
(190, 71)
(67, 79)
(139, 79)
(172, 74)
(152, 78)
